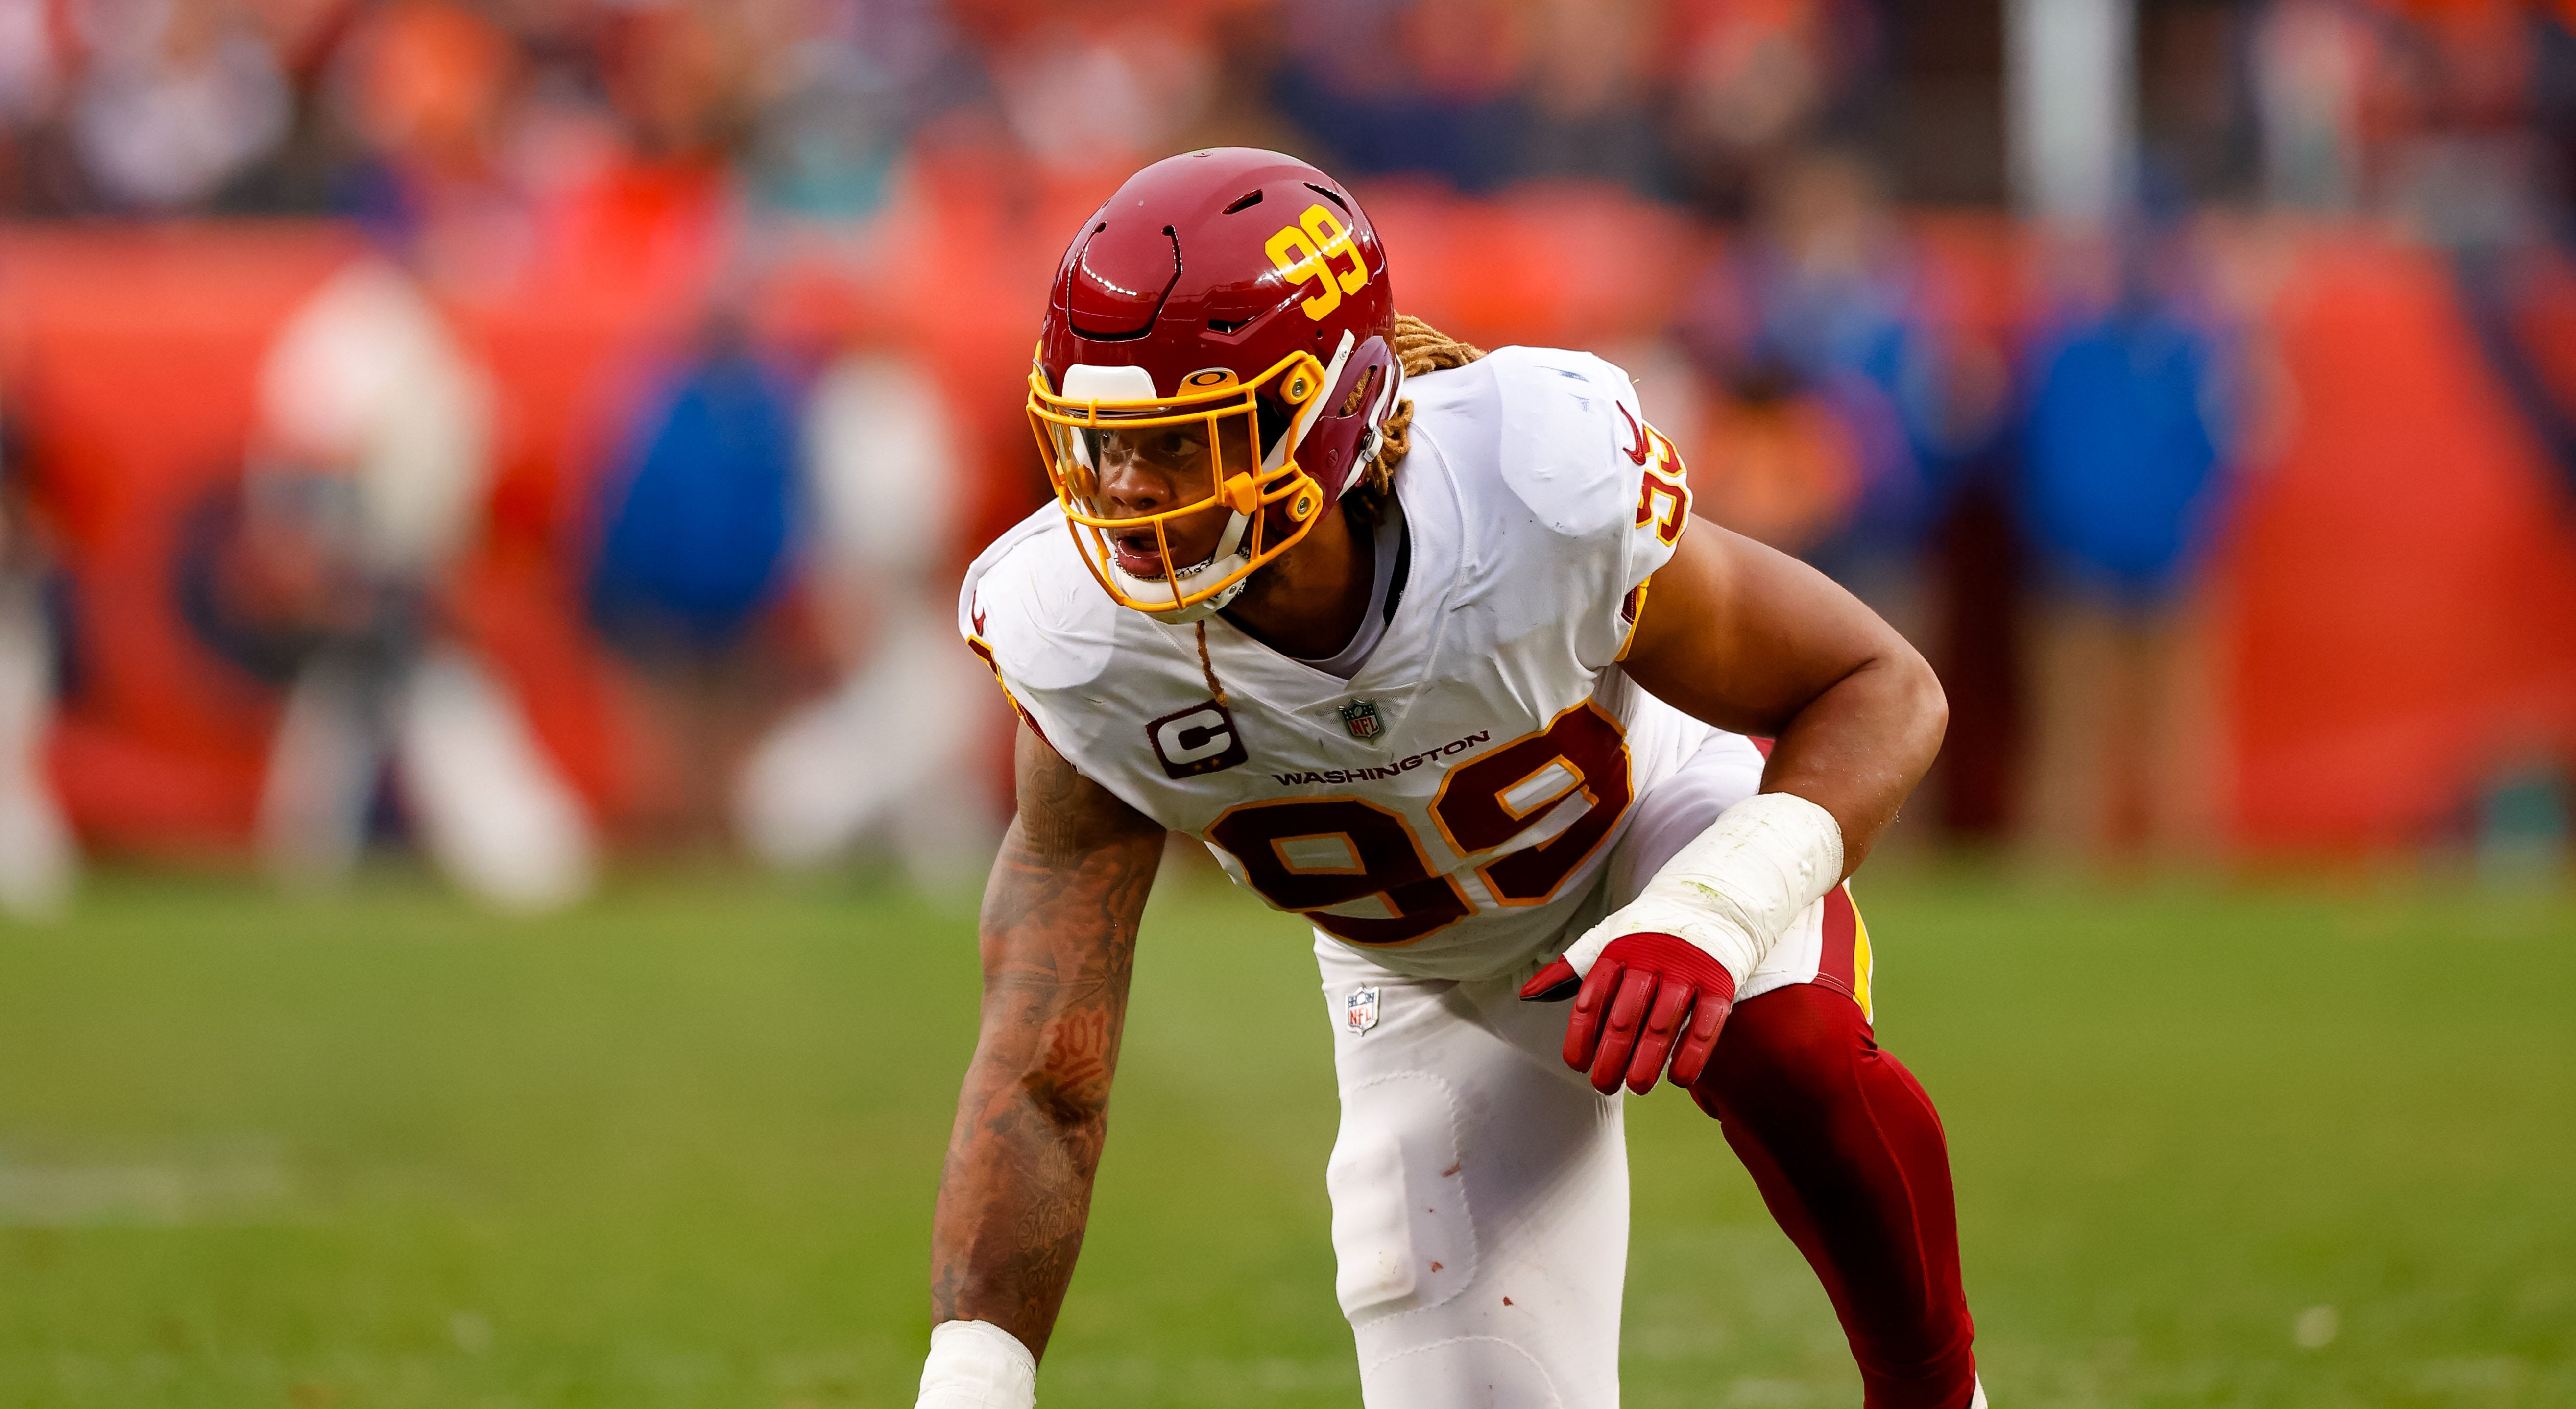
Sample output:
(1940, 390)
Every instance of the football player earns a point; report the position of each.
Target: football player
(1424, 644)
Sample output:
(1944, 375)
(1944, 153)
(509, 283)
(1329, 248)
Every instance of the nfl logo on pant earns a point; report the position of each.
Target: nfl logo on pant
(1360, 717)
(1359, 1010)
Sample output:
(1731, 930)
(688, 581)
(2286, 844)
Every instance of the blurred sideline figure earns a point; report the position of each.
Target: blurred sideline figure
(1836, 416)
(892, 751)
(176, 102)
(375, 456)
(691, 569)
(2122, 490)
(39, 859)
(1841, 410)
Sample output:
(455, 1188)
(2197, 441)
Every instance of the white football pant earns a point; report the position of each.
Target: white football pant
(1480, 1185)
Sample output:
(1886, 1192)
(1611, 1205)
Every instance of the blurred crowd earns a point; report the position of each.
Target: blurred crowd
(396, 112)
(2029, 481)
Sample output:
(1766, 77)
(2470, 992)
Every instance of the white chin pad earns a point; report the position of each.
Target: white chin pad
(1229, 554)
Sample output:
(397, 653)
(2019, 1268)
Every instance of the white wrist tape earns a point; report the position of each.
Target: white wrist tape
(1734, 888)
(977, 1365)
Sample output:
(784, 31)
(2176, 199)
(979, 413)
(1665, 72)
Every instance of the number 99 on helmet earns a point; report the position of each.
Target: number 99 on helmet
(1215, 367)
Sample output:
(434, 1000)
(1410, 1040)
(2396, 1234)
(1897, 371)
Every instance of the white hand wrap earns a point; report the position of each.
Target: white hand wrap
(1733, 889)
(977, 1365)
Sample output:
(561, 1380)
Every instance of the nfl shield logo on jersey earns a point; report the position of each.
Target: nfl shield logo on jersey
(1360, 717)
(1359, 1010)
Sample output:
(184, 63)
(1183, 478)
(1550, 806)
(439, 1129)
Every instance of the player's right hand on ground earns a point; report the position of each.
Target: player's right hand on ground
(1642, 999)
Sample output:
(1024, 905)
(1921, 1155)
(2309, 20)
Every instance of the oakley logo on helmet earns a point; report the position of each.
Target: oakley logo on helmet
(1200, 739)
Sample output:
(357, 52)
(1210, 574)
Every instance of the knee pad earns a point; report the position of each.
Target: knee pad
(1402, 1236)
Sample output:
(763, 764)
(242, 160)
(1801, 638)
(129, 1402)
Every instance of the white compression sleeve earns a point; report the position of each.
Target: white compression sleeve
(1734, 888)
(977, 1365)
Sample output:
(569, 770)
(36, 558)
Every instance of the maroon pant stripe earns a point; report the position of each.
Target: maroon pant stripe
(1835, 967)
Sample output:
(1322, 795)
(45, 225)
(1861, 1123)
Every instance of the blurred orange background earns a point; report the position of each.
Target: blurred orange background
(2381, 621)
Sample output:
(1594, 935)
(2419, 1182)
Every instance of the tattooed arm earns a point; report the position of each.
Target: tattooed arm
(1059, 939)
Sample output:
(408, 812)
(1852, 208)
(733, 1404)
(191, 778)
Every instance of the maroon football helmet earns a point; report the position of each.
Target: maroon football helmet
(1235, 303)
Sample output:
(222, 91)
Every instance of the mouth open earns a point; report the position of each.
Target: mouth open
(1137, 553)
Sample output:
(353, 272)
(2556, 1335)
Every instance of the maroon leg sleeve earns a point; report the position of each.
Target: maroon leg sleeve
(1848, 1153)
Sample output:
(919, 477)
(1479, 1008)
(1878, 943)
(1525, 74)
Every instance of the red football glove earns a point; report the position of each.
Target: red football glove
(1648, 997)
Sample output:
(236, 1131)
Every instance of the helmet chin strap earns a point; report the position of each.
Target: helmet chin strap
(1229, 547)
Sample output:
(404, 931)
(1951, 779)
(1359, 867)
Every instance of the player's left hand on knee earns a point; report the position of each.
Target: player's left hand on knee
(1639, 1000)
(1656, 977)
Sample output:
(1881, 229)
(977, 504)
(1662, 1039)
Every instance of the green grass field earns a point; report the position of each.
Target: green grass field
(679, 1149)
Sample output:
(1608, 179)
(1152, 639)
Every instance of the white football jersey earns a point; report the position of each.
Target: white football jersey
(1449, 807)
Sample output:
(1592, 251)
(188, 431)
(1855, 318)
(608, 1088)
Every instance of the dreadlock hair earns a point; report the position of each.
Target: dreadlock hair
(1419, 348)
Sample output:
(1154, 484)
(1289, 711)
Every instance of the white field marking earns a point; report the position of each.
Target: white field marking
(471, 1331)
(242, 1183)
(2487, 1377)
(1771, 1394)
